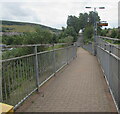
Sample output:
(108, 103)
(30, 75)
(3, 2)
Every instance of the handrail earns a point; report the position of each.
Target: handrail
(116, 57)
(108, 55)
(27, 73)
(33, 45)
(103, 37)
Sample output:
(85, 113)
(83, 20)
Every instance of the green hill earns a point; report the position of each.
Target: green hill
(12, 26)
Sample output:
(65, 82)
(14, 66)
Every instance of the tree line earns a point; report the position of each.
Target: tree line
(69, 34)
(84, 22)
(113, 33)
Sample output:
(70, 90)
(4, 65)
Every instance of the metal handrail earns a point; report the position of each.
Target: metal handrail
(108, 55)
(113, 55)
(31, 45)
(21, 76)
(108, 38)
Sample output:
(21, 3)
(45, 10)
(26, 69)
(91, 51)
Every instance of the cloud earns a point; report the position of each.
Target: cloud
(17, 11)
(54, 13)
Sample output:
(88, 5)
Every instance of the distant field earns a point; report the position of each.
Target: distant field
(12, 26)
(19, 28)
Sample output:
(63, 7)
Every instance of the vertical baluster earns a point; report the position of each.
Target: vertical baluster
(54, 60)
(9, 85)
(30, 70)
(4, 83)
(18, 88)
(29, 76)
(25, 74)
(21, 78)
(36, 69)
(12, 79)
(67, 55)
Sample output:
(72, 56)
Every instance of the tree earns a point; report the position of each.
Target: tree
(43, 36)
(83, 20)
(113, 33)
(39, 37)
(8, 40)
(118, 33)
(104, 32)
(54, 39)
(92, 17)
(68, 39)
(69, 31)
(73, 21)
(88, 33)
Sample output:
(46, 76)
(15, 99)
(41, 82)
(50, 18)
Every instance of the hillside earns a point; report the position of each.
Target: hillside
(12, 26)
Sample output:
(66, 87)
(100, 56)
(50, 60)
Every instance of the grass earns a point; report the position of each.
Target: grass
(112, 42)
(20, 28)
(55, 47)
(13, 26)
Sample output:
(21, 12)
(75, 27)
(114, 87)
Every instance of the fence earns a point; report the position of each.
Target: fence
(109, 58)
(21, 76)
(89, 47)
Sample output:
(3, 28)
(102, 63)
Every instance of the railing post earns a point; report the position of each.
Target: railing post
(75, 50)
(109, 48)
(54, 60)
(74, 47)
(119, 84)
(36, 68)
(1, 100)
(67, 54)
(105, 47)
(109, 65)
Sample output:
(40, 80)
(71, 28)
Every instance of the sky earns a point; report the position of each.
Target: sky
(54, 13)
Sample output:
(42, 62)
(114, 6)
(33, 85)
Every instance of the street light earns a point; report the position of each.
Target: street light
(87, 7)
(95, 26)
(101, 7)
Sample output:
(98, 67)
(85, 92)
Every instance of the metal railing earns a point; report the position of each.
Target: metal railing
(109, 57)
(21, 76)
(89, 47)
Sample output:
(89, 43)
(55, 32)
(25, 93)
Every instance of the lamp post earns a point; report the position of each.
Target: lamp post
(95, 26)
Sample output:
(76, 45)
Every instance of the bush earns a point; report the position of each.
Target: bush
(68, 39)
(88, 33)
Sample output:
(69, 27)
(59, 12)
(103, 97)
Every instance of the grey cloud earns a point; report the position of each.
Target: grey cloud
(15, 9)
(54, 13)
(18, 11)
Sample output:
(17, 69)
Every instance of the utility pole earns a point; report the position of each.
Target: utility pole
(95, 27)
(95, 31)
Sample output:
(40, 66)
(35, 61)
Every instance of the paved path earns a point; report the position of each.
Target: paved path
(79, 87)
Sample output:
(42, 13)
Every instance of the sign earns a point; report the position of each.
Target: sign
(102, 24)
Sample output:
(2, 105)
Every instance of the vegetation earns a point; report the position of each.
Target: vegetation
(88, 33)
(12, 26)
(32, 34)
(113, 33)
(84, 22)
(39, 34)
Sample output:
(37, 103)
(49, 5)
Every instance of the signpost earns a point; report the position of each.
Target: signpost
(95, 26)
(102, 23)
